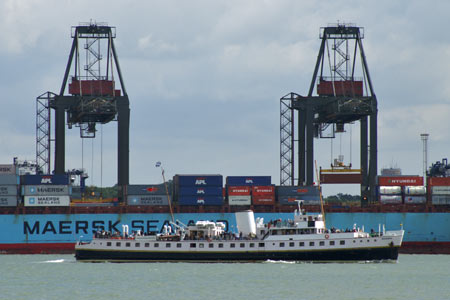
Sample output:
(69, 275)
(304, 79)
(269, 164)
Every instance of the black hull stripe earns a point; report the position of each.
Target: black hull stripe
(366, 254)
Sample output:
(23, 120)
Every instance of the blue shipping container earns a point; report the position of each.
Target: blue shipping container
(200, 191)
(150, 189)
(45, 179)
(297, 190)
(200, 200)
(198, 180)
(248, 180)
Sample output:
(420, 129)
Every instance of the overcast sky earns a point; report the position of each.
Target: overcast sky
(204, 80)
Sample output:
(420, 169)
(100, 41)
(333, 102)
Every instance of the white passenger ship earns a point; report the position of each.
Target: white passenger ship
(305, 238)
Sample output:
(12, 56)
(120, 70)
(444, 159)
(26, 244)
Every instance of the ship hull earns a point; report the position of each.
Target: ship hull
(369, 254)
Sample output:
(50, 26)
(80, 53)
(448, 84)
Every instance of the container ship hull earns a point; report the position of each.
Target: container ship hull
(425, 233)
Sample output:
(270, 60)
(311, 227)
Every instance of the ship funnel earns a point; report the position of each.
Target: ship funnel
(245, 221)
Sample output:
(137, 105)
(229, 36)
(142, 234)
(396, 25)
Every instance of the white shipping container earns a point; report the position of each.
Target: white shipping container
(440, 190)
(415, 190)
(47, 200)
(147, 200)
(415, 199)
(46, 190)
(311, 202)
(8, 200)
(390, 190)
(240, 200)
(8, 190)
(440, 199)
(391, 199)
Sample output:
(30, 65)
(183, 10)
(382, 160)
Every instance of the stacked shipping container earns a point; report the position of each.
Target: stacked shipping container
(288, 195)
(153, 194)
(198, 189)
(263, 195)
(390, 194)
(46, 190)
(440, 190)
(9, 185)
(245, 190)
(415, 194)
(239, 195)
(391, 189)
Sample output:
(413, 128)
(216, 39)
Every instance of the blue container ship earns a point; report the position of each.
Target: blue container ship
(50, 227)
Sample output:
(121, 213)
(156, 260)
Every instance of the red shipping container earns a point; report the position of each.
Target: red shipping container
(92, 87)
(400, 180)
(340, 178)
(239, 190)
(263, 190)
(342, 88)
(263, 199)
(439, 181)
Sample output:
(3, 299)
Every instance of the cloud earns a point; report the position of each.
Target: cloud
(205, 78)
(148, 43)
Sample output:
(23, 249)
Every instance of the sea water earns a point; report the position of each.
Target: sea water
(62, 277)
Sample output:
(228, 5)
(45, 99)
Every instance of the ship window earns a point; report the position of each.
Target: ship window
(220, 245)
(147, 245)
(168, 245)
(232, 245)
(242, 245)
(311, 243)
(193, 245)
(201, 245)
(301, 244)
(342, 242)
(354, 241)
(261, 245)
(156, 245)
(263, 232)
(137, 244)
(211, 245)
(321, 243)
(375, 240)
(274, 232)
(108, 244)
(360, 241)
(252, 245)
(291, 244)
(368, 241)
(281, 244)
(331, 243)
(127, 244)
(178, 245)
(118, 244)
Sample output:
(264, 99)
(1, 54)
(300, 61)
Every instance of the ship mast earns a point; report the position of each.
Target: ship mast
(321, 197)
(158, 164)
